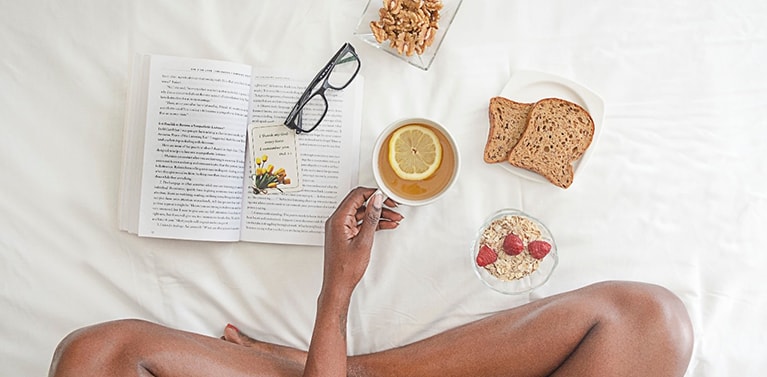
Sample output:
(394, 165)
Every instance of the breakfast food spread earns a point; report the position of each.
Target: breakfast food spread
(511, 247)
(556, 133)
(410, 26)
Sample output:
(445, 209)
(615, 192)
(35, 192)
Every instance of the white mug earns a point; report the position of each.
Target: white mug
(444, 179)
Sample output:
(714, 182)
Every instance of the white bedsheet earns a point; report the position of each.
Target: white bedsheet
(674, 193)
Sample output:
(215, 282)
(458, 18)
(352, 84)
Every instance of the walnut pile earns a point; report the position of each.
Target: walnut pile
(409, 25)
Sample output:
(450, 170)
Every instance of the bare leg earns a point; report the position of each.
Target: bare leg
(234, 335)
(140, 348)
(606, 329)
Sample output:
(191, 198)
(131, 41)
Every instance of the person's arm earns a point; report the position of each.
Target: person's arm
(348, 240)
(327, 351)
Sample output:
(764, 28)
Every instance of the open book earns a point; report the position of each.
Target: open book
(186, 173)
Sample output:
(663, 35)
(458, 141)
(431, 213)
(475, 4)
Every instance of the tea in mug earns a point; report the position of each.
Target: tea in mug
(418, 189)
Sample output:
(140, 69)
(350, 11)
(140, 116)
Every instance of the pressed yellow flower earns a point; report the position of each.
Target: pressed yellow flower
(264, 158)
(280, 171)
(270, 169)
(258, 160)
(287, 181)
(272, 185)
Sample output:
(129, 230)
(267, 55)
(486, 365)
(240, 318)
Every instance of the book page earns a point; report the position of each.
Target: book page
(194, 154)
(329, 160)
(133, 145)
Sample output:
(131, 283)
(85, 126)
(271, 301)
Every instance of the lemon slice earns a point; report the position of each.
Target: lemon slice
(414, 152)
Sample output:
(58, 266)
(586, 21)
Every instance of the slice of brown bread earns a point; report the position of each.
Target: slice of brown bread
(558, 132)
(507, 122)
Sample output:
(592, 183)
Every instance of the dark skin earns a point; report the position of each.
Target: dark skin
(348, 241)
(604, 329)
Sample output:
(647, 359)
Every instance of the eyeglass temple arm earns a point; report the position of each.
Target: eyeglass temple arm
(320, 76)
(329, 67)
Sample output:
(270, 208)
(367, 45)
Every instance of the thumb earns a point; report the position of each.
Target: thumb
(370, 222)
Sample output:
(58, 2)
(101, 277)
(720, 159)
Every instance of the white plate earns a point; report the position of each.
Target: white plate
(531, 86)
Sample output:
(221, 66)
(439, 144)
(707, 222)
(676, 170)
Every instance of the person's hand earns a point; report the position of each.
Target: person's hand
(349, 234)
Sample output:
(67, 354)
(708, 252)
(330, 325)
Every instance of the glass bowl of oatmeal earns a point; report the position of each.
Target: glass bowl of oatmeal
(513, 252)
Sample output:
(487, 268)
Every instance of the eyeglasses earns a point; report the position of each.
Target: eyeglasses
(312, 106)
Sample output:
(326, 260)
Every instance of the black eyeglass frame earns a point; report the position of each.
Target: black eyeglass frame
(293, 121)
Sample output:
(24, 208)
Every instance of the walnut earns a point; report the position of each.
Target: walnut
(410, 26)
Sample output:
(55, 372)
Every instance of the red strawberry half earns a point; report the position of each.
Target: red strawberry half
(538, 249)
(513, 245)
(486, 256)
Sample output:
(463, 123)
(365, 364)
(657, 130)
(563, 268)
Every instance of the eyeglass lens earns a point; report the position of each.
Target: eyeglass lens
(344, 71)
(312, 112)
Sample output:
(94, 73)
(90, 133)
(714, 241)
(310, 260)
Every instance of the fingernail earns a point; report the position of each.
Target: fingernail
(377, 200)
(231, 326)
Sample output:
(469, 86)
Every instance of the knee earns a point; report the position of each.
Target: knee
(93, 348)
(657, 313)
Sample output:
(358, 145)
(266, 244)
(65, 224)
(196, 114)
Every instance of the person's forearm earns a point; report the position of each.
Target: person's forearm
(327, 350)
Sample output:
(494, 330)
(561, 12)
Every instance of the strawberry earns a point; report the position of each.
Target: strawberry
(538, 249)
(512, 244)
(486, 256)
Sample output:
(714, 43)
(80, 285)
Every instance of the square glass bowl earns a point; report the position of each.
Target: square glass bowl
(422, 61)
